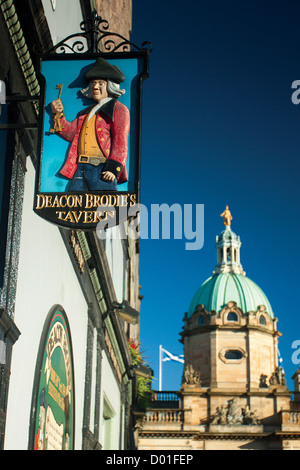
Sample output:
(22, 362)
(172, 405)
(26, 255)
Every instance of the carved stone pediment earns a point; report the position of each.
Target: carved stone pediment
(231, 307)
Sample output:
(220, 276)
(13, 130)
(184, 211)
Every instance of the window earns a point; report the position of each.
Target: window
(262, 320)
(108, 425)
(232, 316)
(200, 320)
(233, 355)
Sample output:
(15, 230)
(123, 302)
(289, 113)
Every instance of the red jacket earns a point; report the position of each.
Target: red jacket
(112, 129)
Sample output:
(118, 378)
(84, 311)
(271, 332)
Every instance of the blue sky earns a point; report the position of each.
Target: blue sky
(219, 127)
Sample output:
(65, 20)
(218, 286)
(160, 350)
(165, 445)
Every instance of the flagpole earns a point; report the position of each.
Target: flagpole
(160, 368)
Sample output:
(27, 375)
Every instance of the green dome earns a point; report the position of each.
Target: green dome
(222, 288)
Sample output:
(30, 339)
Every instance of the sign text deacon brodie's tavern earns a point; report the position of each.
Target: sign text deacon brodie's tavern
(89, 133)
(87, 208)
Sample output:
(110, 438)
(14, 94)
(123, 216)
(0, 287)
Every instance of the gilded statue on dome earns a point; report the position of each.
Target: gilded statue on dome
(227, 217)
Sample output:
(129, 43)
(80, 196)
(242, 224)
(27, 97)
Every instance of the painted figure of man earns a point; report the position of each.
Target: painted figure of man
(99, 135)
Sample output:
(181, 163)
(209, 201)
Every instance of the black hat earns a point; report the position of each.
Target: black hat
(104, 70)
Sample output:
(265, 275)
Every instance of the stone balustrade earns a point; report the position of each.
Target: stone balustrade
(290, 420)
(164, 416)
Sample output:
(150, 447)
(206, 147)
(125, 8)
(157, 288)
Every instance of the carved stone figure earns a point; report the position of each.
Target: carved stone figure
(249, 416)
(221, 416)
(263, 381)
(233, 414)
(277, 378)
(191, 377)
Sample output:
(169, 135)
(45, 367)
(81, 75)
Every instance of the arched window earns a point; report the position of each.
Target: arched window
(262, 320)
(232, 316)
(200, 320)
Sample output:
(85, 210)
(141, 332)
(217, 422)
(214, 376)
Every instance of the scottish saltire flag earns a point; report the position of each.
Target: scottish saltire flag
(168, 357)
(172, 357)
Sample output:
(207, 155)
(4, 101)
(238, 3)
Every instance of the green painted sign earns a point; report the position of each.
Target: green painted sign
(53, 402)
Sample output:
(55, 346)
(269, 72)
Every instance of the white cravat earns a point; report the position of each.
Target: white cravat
(97, 107)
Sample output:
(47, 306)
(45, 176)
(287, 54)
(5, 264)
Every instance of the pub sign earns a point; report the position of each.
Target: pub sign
(53, 410)
(89, 137)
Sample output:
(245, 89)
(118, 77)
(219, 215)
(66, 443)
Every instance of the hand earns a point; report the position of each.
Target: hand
(108, 176)
(57, 106)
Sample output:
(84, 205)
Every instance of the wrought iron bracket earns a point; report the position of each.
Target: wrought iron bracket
(95, 37)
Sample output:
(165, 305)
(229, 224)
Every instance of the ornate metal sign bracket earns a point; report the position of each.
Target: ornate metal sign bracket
(95, 37)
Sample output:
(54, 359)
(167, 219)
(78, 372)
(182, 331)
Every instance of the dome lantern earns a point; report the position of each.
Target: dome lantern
(228, 246)
(229, 281)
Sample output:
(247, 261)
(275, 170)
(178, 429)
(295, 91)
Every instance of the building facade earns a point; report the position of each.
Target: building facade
(69, 301)
(233, 394)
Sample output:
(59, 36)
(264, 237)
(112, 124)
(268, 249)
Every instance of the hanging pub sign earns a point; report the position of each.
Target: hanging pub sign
(90, 122)
(52, 409)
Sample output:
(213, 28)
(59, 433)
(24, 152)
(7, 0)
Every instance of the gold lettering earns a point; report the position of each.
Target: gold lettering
(74, 201)
(91, 201)
(56, 202)
(88, 201)
(48, 201)
(77, 216)
(112, 200)
(124, 200)
(70, 217)
(106, 202)
(98, 216)
(78, 200)
(54, 393)
(60, 201)
(88, 217)
(97, 201)
(40, 201)
(60, 214)
(70, 201)
(133, 199)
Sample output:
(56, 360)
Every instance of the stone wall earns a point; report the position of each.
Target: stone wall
(118, 13)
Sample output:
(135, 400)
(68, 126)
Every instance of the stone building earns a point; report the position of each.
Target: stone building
(59, 287)
(233, 394)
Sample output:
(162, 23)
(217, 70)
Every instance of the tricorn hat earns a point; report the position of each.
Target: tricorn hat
(102, 69)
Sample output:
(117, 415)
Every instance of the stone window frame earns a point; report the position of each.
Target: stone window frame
(262, 312)
(262, 317)
(199, 312)
(231, 307)
(232, 361)
(233, 313)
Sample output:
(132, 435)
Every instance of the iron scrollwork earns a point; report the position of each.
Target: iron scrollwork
(95, 37)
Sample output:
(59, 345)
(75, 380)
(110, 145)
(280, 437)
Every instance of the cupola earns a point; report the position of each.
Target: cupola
(229, 282)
